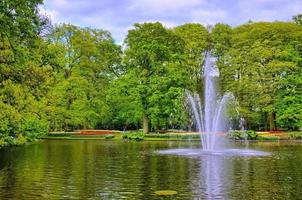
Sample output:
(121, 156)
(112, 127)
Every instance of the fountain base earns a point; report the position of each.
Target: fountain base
(225, 152)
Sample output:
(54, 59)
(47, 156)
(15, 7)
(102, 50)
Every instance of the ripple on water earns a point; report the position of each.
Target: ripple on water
(224, 152)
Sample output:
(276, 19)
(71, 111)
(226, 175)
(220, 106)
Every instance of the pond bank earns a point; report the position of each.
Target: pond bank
(138, 136)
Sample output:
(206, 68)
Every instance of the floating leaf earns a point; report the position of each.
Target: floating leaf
(165, 192)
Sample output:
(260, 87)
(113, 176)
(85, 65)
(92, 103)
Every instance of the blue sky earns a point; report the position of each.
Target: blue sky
(118, 16)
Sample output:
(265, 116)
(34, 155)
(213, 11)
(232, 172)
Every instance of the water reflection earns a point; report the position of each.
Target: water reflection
(212, 177)
(105, 170)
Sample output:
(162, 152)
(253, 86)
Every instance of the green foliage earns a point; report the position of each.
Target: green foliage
(196, 38)
(9, 120)
(33, 128)
(270, 138)
(89, 59)
(241, 135)
(289, 102)
(135, 136)
(298, 19)
(78, 78)
(251, 135)
(174, 136)
(109, 136)
(256, 60)
(296, 135)
(153, 83)
(236, 135)
(152, 135)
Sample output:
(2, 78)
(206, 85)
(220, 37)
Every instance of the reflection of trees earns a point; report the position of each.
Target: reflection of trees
(113, 170)
(166, 173)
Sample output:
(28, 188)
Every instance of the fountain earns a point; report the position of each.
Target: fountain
(211, 119)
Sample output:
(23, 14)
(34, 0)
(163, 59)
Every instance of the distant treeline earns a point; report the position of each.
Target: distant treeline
(66, 77)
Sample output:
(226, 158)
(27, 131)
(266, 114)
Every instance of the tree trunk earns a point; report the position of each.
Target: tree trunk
(272, 124)
(265, 121)
(146, 124)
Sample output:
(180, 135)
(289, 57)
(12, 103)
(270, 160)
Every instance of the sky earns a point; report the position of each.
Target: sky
(118, 16)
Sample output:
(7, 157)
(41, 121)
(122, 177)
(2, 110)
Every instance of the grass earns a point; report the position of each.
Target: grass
(120, 136)
(295, 135)
(263, 136)
(77, 136)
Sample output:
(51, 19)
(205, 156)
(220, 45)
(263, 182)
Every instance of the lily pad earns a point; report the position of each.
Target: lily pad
(165, 192)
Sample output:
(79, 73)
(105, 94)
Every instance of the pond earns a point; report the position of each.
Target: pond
(94, 169)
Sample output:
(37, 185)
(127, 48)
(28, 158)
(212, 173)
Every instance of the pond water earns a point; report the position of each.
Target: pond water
(93, 169)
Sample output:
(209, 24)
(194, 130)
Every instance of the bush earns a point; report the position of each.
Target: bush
(9, 141)
(235, 135)
(33, 128)
(136, 136)
(296, 135)
(251, 135)
(9, 121)
(15, 130)
(109, 136)
(20, 140)
(241, 135)
(2, 143)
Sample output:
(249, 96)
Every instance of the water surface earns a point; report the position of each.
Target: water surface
(94, 169)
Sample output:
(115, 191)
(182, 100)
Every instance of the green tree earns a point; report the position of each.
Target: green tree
(298, 19)
(153, 56)
(196, 40)
(87, 61)
(254, 66)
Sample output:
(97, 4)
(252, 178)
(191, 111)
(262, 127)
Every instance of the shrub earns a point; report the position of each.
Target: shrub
(235, 135)
(9, 121)
(251, 135)
(240, 135)
(2, 142)
(20, 140)
(33, 128)
(9, 141)
(109, 136)
(296, 135)
(136, 136)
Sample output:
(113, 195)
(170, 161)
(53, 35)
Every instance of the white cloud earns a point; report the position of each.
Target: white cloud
(268, 10)
(53, 15)
(208, 16)
(161, 6)
(118, 16)
(60, 3)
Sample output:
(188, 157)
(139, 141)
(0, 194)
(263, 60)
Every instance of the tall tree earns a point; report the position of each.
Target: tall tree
(87, 61)
(22, 71)
(197, 41)
(254, 66)
(153, 56)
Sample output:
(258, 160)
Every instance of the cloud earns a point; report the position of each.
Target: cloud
(119, 16)
(163, 6)
(51, 14)
(268, 10)
(208, 16)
